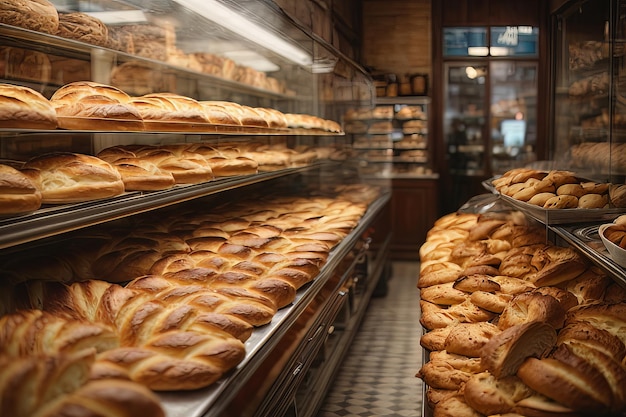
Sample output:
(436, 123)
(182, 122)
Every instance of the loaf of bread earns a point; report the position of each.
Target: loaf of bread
(137, 174)
(90, 105)
(60, 384)
(23, 107)
(18, 194)
(83, 27)
(169, 107)
(37, 15)
(138, 78)
(24, 64)
(64, 177)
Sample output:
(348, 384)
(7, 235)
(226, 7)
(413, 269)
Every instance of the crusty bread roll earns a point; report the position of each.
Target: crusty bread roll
(64, 177)
(494, 396)
(91, 105)
(83, 27)
(218, 114)
(186, 166)
(592, 200)
(468, 339)
(246, 115)
(23, 107)
(226, 162)
(617, 194)
(37, 15)
(576, 384)
(138, 174)
(505, 351)
(169, 107)
(274, 118)
(18, 194)
(530, 306)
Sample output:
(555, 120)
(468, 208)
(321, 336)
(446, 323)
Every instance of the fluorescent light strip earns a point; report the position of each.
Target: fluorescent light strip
(222, 15)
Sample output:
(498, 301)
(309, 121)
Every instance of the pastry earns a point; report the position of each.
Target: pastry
(83, 27)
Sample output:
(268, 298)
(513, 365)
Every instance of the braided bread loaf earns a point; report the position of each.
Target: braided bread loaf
(59, 385)
(49, 366)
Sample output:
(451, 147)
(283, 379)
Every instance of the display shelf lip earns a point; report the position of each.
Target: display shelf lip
(575, 235)
(424, 99)
(216, 130)
(210, 401)
(55, 220)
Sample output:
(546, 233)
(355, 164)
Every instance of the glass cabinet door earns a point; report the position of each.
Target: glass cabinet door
(465, 118)
(513, 114)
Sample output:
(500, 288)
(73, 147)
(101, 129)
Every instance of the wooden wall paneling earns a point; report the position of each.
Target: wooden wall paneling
(396, 36)
(414, 211)
(464, 12)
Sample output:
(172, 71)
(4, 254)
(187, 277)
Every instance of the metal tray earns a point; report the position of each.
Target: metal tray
(558, 216)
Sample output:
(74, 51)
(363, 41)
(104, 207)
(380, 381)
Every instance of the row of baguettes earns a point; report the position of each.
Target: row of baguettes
(151, 40)
(64, 177)
(85, 104)
(517, 325)
(197, 284)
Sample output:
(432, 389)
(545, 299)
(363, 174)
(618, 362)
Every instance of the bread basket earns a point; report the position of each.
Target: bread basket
(616, 253)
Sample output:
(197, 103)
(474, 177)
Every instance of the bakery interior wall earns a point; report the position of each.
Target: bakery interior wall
(454, 190)
(386, 37)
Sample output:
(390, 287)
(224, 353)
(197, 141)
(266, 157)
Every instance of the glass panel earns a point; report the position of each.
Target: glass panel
(464, 118)
(513, 114)
(514, 41)
(465, 41)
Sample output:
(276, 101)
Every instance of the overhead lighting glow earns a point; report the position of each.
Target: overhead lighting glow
(119, 17)
(225, 17)
(478, 51)
(499, 51)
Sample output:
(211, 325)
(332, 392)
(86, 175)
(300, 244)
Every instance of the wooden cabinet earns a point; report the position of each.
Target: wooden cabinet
(414, 210)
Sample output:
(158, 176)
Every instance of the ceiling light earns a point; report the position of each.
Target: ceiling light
(119, 17)
(233, 21)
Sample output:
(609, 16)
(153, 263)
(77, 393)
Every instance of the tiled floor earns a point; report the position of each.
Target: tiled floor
(377, 377)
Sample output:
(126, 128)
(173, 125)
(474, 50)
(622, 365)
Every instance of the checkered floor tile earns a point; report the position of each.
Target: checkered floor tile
(377, 377)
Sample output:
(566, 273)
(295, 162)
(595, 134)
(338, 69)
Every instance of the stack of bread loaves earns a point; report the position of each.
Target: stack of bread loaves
(517, 326)
(197, 286)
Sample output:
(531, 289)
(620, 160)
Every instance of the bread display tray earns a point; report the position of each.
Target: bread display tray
(557, 216)
(117, 125)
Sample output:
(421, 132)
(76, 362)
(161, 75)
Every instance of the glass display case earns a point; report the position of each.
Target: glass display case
(588, 104)
(244, 52)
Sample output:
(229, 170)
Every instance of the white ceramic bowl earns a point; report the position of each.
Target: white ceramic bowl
(617, 254)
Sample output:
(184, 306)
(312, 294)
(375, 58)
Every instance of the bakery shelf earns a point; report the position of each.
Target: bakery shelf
(586, 239)
(56, 45)
(210, 402)
(55, 220)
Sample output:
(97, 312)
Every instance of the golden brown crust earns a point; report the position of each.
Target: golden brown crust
(69, 177)
(468, 339)
(575, 384)
(37, 15)
(490, 395)
(83, 27)
(506, 350)
(530, 307)
(23, 107)
(18, 194)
